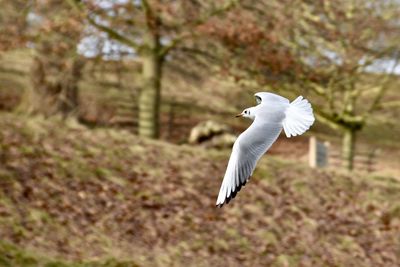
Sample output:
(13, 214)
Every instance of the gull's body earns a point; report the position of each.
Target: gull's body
(272, 114)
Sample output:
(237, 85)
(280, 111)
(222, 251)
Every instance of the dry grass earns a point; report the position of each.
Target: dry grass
(105, 197)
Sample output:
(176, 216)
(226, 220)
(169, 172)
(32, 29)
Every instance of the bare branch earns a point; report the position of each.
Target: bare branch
(389, 104)
(326, 119)
(149, 13)
(385, 86)
(113, 34)
(180, 38)
(318, 89)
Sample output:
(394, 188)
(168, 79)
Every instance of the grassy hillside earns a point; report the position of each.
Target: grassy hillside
(71, 196)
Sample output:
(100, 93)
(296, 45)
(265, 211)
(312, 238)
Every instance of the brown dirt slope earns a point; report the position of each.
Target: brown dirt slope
(73, 195)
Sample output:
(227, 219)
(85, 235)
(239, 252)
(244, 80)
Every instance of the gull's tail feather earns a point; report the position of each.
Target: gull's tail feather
(299, 117)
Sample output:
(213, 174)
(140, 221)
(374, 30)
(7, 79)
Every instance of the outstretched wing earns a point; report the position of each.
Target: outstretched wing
(262, 97)
(247, 150)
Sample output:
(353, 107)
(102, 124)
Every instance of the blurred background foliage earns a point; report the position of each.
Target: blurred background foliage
(85, 87)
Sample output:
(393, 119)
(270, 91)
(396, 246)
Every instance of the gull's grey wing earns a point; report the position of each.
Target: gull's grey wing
(247, 150)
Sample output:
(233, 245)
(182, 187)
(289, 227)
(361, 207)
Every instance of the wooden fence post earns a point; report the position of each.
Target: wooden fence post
(370, 160)
(318, 153)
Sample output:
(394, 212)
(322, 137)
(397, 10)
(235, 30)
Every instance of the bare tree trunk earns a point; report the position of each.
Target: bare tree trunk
(348, 148)
(69, 96)
(30, 97)
(41, 98)
(149, 98)
(54, 91)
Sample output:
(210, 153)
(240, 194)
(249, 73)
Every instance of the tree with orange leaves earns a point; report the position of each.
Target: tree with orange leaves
(152, 29)
(54, 33)
(324, 49)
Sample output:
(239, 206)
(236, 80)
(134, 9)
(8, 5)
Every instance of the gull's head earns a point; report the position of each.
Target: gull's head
(248, 113)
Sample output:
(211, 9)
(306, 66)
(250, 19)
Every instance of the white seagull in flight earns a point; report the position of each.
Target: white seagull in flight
(272, 114)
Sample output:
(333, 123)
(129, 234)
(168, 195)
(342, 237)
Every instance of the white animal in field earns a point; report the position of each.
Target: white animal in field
(272, 114)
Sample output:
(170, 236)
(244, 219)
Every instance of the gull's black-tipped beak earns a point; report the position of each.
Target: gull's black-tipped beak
(239, 115)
